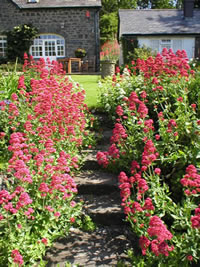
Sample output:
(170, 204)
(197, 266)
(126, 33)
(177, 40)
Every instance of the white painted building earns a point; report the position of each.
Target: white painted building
(162, 28)
(175, 43)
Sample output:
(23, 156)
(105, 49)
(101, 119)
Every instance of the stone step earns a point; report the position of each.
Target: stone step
(105, 140)
(103, 247)
(98, 182)
(90, 161)
(104, 209)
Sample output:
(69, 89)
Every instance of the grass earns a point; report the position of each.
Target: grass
(90, 85)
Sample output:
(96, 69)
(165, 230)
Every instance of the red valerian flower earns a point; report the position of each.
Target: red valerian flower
(119, 110)
(144, 243)
(44, 241)
(189, 257)
(158, 229)
(17, 257)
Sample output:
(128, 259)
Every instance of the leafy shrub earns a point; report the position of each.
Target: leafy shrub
(143, 52)
(19, 40)
(155, 147)
(46, 128)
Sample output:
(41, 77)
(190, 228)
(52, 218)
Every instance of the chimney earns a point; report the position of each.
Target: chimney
(188, 8)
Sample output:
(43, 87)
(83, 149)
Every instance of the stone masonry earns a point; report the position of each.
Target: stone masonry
(78, 30)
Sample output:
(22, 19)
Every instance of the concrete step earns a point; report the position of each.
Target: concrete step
(98, 182)
(104, 209)
(103, 247)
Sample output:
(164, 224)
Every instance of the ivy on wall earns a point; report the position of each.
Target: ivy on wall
(128, 46)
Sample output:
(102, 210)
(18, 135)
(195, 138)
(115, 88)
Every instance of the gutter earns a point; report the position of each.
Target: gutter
(34, 6)
(157, 34)
(97, 39)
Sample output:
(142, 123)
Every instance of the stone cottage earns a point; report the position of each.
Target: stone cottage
(64, 26)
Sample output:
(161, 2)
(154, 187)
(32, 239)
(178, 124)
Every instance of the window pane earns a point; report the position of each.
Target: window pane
(3, 45)
(177, 45)
(155, 45)
(48, 45)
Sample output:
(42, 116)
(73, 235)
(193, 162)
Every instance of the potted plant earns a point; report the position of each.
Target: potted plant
(109, 56)
(80, 53)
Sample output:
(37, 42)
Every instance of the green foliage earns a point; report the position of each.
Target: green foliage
(87, 224)
(184, 147)
(156, 114)
(109, 17)
(52, 213)
(129, 45)
(8, 83)
(143, 52)
(19, 40)
(80, 52)
(110, 51)
(108, 26)
(110, 8)
(10, 67)
(162, 4)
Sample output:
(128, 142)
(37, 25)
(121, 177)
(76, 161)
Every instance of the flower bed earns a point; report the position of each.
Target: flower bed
(46, 124)
(155, 149)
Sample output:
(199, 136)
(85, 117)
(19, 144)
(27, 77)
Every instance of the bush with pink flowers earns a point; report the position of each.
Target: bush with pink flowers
(48, 127)
(156, 139)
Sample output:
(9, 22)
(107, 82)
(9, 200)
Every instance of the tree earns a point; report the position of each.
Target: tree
(108, 26)
(109, 17)
(162, 4)
(19, 40)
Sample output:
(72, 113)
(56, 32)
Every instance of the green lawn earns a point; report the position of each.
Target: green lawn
(90, 85)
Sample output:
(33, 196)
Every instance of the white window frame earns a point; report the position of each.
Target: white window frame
(32, 1)
(169, 43)
(38, 48)
(165, 43)
(3, 45)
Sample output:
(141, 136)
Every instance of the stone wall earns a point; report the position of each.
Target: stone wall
(78, 30)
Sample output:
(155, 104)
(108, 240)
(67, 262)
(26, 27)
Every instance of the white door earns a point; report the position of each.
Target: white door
(48, 46)
(49, 50)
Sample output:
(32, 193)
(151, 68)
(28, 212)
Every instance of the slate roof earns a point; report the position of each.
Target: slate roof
(57, 3)
(157, 22)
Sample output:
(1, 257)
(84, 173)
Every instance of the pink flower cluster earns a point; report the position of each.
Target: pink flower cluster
(17, 257)
(158, 245)
(191, 181)
(166, 63)
(149, 155)
(196, 218)
(53, 119)
(135, 104)
(119, 135)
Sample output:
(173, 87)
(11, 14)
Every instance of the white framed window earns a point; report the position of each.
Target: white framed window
(48, 45)
(3, 46)
(154, 45)
(165, 43)
(32, 1)
(159, 44)
(177, 45)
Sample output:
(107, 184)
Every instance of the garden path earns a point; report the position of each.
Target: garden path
(106, 245)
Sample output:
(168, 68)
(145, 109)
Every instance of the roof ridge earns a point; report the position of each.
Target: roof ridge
(148, 9)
